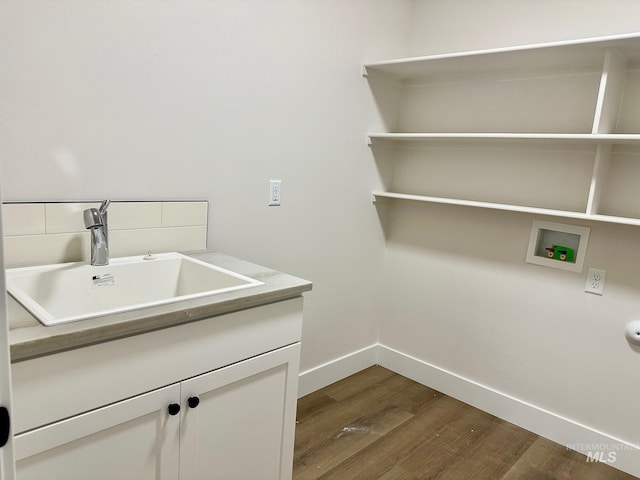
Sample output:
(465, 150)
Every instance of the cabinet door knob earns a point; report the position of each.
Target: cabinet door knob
(5, 426)
(193, 401)
(174, 408)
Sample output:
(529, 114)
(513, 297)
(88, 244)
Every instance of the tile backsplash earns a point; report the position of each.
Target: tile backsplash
(45, 233)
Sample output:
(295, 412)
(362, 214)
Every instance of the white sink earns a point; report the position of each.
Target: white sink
(68, 292)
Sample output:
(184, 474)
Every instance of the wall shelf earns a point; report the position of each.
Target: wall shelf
(568, 138)
(507, 207)
(584, 54)
(553, 126)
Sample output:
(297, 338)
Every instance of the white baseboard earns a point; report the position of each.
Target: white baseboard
(564, 431)
(535, 419)
(330, 372)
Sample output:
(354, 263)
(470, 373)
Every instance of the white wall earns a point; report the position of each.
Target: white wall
(441, 26)
(460, 295)
(209, 100)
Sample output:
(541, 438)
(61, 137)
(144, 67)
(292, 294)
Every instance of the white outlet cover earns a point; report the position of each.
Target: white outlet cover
(595, 281)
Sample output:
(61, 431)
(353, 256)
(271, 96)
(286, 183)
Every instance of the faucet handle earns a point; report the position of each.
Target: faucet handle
(103, 207)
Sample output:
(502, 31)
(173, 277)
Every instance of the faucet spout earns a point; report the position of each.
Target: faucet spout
(95, 220)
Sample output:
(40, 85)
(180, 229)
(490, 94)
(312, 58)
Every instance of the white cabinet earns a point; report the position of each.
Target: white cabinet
(550, 129)
(134, 439)
(240, 428)
(232, 420)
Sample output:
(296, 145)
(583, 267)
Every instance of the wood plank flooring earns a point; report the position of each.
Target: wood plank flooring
(377, 425)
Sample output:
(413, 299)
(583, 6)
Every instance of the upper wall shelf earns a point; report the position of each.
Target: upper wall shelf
(574, 54)
(549, 129)
(586, 138)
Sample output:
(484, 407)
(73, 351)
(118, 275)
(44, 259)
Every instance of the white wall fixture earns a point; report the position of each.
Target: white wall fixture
(275, 190)
(633, 332)
(558, 245)
(595, 281)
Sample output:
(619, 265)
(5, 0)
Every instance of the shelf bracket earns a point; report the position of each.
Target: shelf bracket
(598, 178)
(610, 92)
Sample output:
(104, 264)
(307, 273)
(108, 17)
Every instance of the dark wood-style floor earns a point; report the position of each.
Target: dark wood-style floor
(379, 425)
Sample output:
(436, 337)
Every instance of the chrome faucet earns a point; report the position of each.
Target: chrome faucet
(95, 219)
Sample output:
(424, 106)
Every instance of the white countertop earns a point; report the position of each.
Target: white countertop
(28, 338)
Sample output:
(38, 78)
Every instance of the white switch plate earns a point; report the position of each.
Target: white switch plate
(595, 281)
(275, 190)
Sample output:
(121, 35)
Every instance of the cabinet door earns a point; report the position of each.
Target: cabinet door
(135, 439)
(244, 423)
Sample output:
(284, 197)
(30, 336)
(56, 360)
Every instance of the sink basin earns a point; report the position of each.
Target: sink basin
(68, 292)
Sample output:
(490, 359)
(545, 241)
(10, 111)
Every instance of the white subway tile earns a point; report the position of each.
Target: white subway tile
(124, 243)
(182, 214)
(23, 218)
(45, 233)
(66, 217)
(28, 250)
(131, 215)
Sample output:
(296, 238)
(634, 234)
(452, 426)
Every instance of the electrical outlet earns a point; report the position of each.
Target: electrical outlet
(275, 190)
(595, 281)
